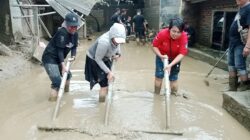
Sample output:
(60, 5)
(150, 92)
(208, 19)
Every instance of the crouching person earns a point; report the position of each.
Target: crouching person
(64, 41)
(99, 58)
(171, 42)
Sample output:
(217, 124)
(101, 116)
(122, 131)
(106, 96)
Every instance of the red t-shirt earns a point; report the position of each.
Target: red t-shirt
(171, 47)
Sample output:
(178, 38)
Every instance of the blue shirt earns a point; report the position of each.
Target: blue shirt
(244, 13)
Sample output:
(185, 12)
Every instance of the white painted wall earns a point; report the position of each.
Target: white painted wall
(16, 23)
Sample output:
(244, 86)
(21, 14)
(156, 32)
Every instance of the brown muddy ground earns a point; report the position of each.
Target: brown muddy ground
(24, 106)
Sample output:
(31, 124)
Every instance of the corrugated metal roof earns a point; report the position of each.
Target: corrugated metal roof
(64, 6)
(83, 6)
(58, 7)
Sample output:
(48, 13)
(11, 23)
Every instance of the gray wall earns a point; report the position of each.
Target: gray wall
(158, 12)
(5, 23)
(151, 13)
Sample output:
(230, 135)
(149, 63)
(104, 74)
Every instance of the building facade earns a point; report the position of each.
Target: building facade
(211, 20)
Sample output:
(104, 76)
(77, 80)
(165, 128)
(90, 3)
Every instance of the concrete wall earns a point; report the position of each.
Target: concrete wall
(5, 23)
(158, 12)
(151, 13)
(91, 23)
(169, 9)
(237, 104)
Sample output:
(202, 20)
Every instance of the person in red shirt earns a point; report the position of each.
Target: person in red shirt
(170, 43)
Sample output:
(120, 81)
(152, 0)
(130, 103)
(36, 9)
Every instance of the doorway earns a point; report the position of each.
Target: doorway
(222, 21)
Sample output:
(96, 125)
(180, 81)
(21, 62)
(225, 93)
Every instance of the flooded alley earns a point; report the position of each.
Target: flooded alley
(24, 103)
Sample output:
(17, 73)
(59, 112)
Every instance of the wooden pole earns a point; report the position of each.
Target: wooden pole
(35, 30)
(109, 99)
(61, 91)
(167, 94)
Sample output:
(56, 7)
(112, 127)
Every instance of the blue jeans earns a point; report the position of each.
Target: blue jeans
(159, 70)
(55, 75)
(236, 61)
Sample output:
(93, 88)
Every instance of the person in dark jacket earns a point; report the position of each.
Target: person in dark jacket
(139, 27)
(116, 17)
(64, 41)
(124, 16)
(191, 34)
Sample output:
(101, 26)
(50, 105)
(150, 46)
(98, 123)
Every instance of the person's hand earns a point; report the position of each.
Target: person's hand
(168, 68)
(116, 57)
(163, 57)
(110, 77)
(246, 51)
(71, 59)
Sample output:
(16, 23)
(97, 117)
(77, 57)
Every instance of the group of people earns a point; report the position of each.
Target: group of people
(137, 24)
(170, 43)
(105, 49)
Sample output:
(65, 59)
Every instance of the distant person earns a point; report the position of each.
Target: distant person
(99, 58)
(139, 26)
(191, 34)
(170, 42)
(64, 41)
(238, 51)
(128, 26)
(116, 17)
(124, 16)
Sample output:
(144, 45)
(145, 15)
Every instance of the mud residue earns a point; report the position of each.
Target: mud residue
(27, 115)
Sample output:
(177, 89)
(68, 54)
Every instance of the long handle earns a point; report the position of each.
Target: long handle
(167, 94)
(109, 99)
(216, 63)
(108, 103)
(61, 90)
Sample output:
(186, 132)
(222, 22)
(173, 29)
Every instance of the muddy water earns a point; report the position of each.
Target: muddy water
(24, 106)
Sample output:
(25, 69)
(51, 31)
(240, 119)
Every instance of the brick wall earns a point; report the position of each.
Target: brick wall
(201, 19)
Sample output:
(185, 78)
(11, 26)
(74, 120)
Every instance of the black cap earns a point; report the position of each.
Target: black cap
(71, 19)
